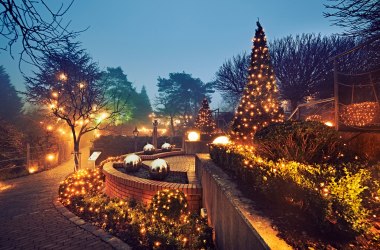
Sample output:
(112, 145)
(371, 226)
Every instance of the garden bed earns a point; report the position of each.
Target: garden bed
(312, 206)
(143, 172)
(165, 223)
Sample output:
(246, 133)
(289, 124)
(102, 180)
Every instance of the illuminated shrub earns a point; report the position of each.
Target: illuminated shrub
(344, 199)
(307, 142)
(166, 224)
(168, 204)
(85, 181)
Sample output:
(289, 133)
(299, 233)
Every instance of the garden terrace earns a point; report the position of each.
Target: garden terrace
(125, 186)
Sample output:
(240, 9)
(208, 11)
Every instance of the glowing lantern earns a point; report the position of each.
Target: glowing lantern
(329, 124)
(193, 136)
(223, 140)
(50, 157)
(32, 169)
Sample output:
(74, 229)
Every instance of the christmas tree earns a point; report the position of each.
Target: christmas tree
(204, 122)
(259, 105)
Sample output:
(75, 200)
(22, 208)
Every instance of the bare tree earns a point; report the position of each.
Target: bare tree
(231, 78)
(360, 18)
(39, 33)
(68, 85)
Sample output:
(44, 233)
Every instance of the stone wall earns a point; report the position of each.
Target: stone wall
(118, 184)
(236, 224)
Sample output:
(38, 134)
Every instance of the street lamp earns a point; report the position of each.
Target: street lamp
(135, 134)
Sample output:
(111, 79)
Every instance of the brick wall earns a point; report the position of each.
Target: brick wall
(121, 185)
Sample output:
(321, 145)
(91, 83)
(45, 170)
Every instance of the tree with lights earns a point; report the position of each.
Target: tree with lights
(68, 86)
(204, 122)
(259, 105)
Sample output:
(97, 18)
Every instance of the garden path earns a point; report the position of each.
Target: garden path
(29, 219)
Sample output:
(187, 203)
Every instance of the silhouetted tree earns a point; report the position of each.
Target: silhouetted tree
(143, 106)
(10, 102)
(68, 86)
(360, 18)
(180, 95)
(231, 78)
(119, 93)
(40, 28)
(11, 146)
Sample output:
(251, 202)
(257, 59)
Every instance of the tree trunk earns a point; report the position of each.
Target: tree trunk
(172, 126)
(76, 155)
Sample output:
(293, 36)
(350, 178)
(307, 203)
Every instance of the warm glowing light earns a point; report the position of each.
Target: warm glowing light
(49, 127)
(330, 124)
(360, 114)
(102, 116)
(32, 169)
(50, 157)
(223, 140)
(81, 85)
(4, 186)
(193, 136)
(62, 77)
(54, 94)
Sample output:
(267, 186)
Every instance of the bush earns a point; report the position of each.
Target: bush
(85, 181)
(301, 141)
(164, 225)
(342, 200)
(169, 204)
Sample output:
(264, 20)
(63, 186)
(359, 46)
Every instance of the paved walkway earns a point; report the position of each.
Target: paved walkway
(29, 220)
(183, 163)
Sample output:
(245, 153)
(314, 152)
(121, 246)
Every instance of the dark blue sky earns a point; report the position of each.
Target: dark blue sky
(151, 38)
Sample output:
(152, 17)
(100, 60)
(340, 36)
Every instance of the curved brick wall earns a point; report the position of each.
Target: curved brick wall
(121, 185)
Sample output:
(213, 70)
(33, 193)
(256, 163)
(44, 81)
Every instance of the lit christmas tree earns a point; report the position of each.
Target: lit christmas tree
(204, 122)
(259, 105)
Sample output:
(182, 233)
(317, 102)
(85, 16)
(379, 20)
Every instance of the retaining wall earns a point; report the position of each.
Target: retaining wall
(121, 185)
(236, 224)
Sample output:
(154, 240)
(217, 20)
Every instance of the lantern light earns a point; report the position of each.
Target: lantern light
(193, 136)
(222, 140)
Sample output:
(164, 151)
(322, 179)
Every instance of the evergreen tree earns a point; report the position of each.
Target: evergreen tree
(10, 102)
(259, 105)
(204, 122)
(119, 92)
(143, 106)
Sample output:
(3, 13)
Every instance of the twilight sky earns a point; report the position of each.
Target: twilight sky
(151, 38)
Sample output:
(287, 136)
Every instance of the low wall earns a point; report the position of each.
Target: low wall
(236, 224)
(121, 185)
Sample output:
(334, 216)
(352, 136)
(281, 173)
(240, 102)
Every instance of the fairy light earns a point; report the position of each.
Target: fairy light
(360, 114)
(259, 104)
(204, 122)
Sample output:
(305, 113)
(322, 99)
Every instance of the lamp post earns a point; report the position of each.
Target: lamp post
(135, 134)
(155, 124)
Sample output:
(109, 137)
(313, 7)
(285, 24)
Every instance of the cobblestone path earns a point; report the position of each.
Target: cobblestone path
(29, 219)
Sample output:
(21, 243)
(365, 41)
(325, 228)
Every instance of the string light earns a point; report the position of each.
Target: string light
(258, 105)
(360, 114)
(204, 122)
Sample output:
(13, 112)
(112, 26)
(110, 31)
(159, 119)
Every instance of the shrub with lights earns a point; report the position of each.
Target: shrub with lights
(165, 224)
(344, 199)
(302, 141)
(79, 184)
(258, 106)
